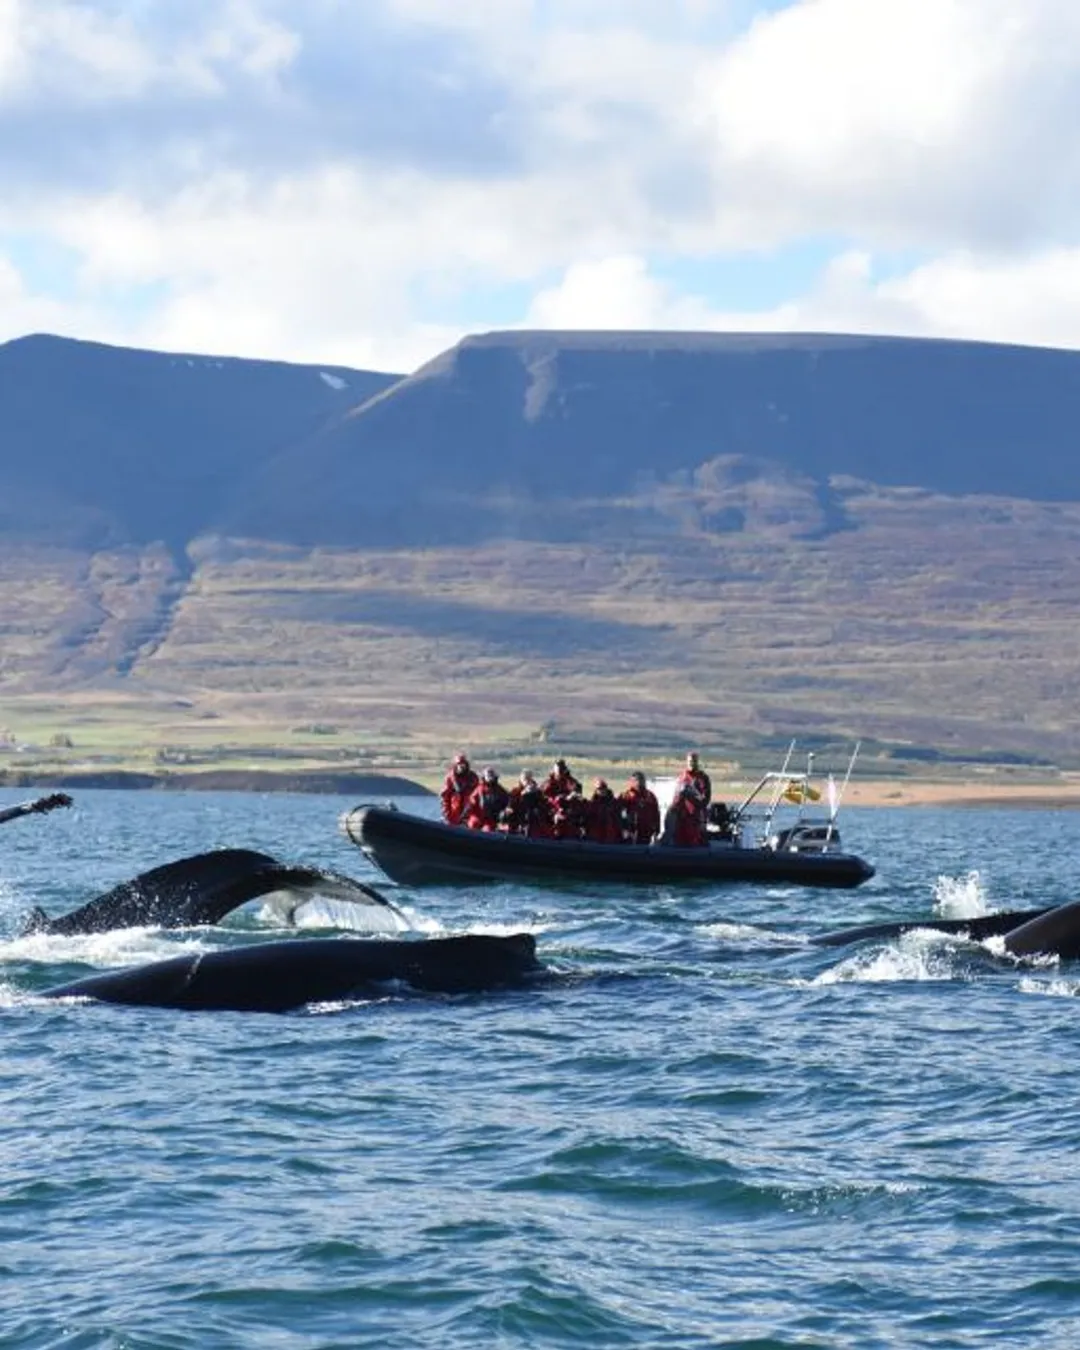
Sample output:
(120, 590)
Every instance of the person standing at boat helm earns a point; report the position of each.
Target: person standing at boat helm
(489, 799)
(640, 811)
(684, 825)
(696, 776)
(458, 787)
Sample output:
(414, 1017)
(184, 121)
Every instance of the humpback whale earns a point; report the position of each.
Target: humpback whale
(37, 807)
(977, 929)
(202, 890)
(1053, 931)
(280, 976)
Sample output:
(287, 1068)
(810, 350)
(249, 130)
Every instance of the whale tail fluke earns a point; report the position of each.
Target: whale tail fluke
(204, 888)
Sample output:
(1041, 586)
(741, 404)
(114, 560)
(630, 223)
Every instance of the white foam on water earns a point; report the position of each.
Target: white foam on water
(1039, 960)
(10, 995)
(746, 932)
(1057, 988)
(534, 926)
(423, 923)
(339, 1005)
(119, 947)
(919, 955)
(960, 897)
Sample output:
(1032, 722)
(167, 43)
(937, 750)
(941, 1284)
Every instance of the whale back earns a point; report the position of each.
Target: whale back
(280, 976)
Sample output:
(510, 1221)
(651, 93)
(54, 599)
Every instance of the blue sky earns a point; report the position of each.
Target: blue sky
(364, 182)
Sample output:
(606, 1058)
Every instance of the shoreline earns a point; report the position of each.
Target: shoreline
(1012, 796)
(1061, 794)
(325, 782)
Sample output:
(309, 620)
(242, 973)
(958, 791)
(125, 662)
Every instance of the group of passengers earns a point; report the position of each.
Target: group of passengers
(558, 809)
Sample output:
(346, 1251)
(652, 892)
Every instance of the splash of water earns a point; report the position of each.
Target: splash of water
(960, 897)
(921, 954)
(119, 947)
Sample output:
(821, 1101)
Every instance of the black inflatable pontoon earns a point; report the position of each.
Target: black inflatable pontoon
(418, 852)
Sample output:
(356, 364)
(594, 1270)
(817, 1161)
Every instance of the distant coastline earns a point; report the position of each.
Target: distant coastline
(1047, 796)
(1061, 794)
(224, 780)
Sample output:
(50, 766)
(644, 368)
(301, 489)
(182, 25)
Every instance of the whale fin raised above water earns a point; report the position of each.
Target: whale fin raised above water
(201, 890)
(38, 807)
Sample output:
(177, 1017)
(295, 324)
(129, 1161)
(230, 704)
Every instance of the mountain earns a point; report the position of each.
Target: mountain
(606, 541)
(109, 445)
(525, 433)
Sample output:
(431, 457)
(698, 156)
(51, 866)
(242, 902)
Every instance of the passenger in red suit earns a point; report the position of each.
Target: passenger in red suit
(603, 822)
(489, 799)
(560, 782)
(458, 786)
(684, 826)
(529, 811)
(571, 816)
(640, 811)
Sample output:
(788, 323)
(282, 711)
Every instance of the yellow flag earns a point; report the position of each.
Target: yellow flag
(801, 792)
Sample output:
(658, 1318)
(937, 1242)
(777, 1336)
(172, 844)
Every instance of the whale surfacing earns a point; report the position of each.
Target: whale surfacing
(282, 976)
(201, 890)
(977, 929)
(1053, 931)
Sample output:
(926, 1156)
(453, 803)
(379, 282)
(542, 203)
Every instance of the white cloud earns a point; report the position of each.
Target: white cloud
(336, 182)
(617, 292)
(76, 53)
(1032, 300)
(914, 121)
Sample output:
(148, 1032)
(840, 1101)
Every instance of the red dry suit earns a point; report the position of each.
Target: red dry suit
(603, 823)
(571, 817)
(701, 783)
(459, 785)
(485, 806)
(529, 813)
(640, 813)
(560, 783)
(683, 824)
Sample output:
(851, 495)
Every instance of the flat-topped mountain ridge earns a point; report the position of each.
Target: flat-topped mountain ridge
(508, 431)
(618, 536)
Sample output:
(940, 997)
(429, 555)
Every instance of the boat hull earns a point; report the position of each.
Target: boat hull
(418, 852)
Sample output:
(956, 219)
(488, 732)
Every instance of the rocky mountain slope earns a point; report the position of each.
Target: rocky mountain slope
(614, 540)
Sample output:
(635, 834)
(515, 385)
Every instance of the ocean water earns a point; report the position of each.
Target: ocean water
(700, 1132)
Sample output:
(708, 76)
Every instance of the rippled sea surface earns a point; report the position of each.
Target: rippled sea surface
(702, 1132)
